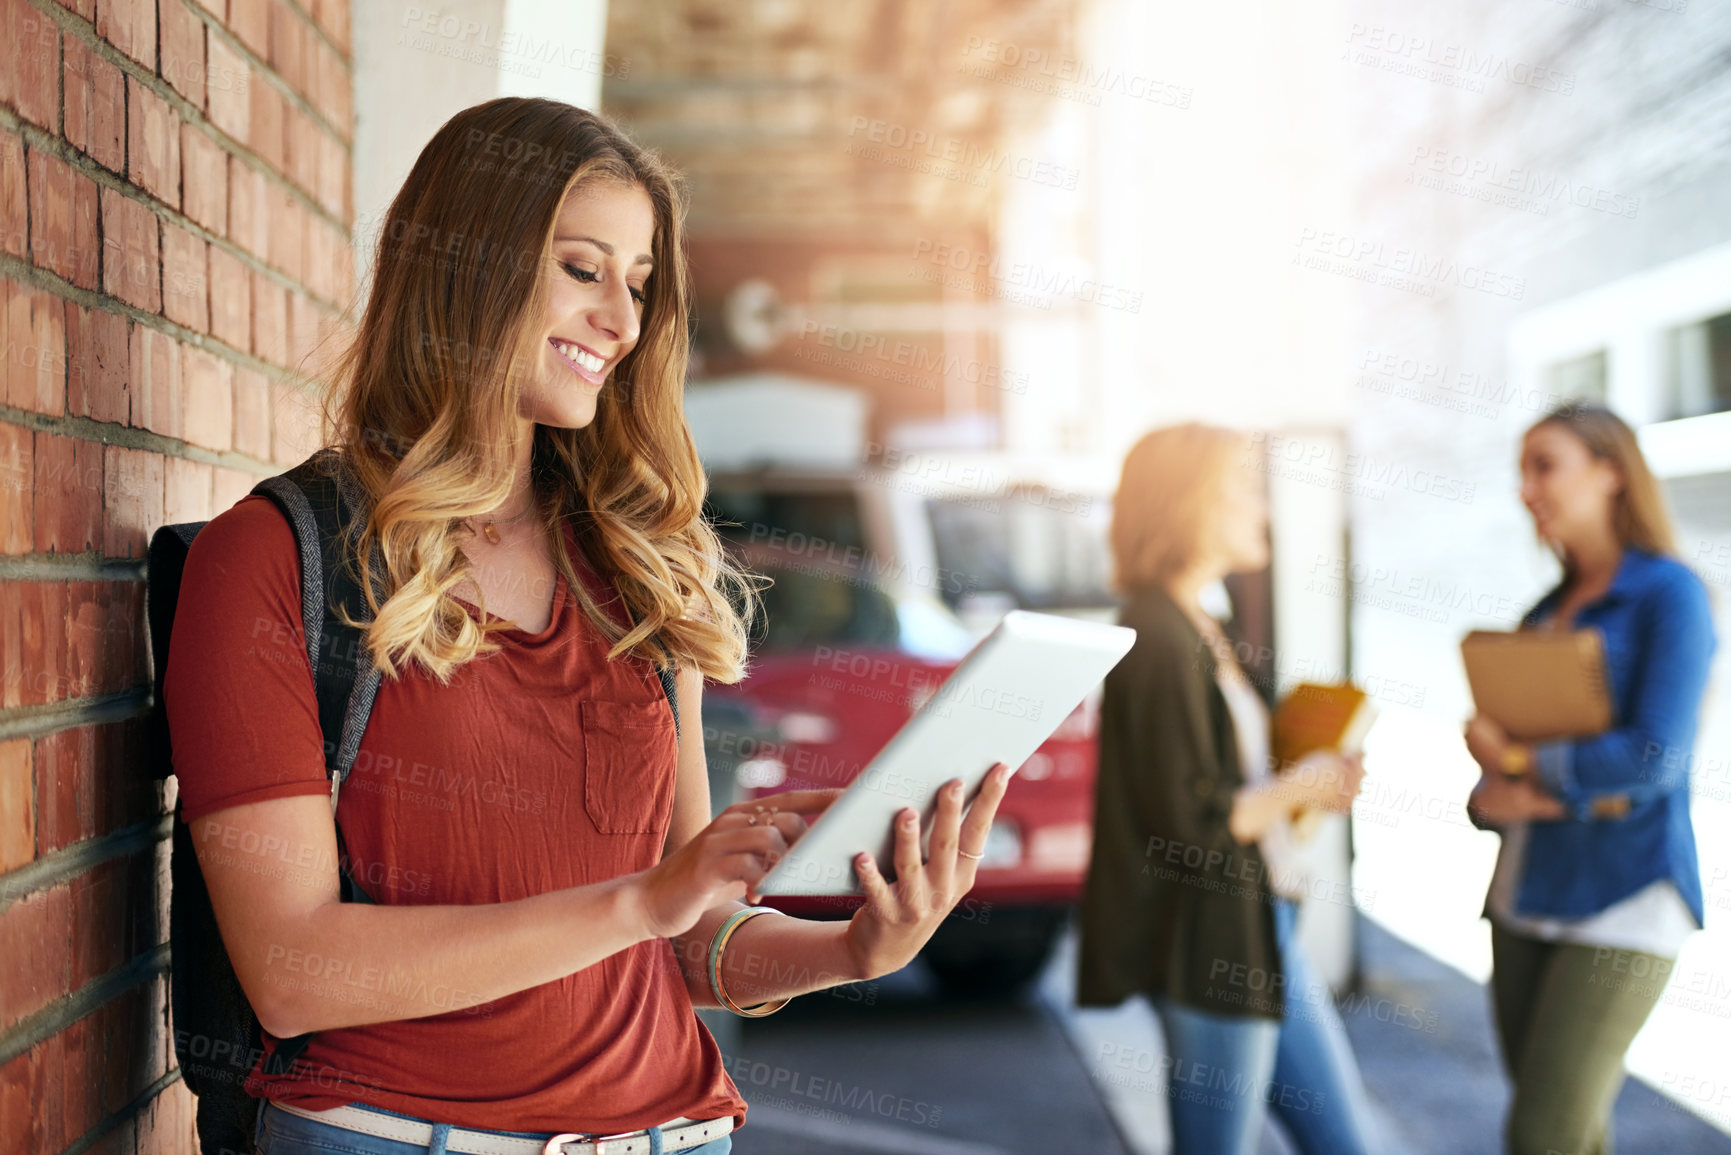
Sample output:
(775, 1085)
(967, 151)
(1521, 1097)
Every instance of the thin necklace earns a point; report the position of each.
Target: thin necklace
(489, 529)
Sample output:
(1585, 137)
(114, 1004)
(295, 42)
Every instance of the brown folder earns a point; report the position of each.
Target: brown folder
(1538, 685)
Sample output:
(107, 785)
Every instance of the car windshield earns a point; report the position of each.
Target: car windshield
(823, 524)
(804, 609)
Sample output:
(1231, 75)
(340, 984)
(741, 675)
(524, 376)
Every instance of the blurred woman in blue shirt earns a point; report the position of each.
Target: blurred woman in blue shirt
(1597, 885)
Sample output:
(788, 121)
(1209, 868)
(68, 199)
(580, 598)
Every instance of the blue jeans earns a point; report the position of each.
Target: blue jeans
(1227, 1070)
(280, 1133)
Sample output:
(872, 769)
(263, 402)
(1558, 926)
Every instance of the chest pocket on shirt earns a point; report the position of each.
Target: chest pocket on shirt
(629, 765)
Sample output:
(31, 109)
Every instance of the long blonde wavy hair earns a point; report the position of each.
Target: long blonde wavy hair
(422, 403)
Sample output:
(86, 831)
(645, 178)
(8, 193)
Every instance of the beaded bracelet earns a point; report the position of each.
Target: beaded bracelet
(719, 944)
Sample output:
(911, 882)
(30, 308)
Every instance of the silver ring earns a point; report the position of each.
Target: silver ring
(965, 854)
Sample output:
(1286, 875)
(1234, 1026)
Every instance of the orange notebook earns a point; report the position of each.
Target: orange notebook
(1314, 717)
(1539, 685)
(1321, 717)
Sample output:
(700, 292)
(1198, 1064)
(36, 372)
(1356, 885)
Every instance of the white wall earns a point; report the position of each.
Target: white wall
(418, 64)
(1205, 145)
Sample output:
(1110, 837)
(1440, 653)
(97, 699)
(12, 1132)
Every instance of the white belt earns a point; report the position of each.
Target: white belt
(679, 1135)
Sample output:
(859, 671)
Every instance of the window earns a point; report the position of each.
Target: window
(1578, 378)
(1699, 364)
(1044, 548)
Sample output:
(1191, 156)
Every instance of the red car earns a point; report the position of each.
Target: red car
(849, 645)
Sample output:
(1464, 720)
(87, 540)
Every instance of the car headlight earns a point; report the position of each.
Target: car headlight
(1061, 846)
(807, 728)
(760, 773)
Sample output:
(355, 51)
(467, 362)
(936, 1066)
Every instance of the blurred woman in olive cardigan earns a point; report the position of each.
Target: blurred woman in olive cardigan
(1192, 889)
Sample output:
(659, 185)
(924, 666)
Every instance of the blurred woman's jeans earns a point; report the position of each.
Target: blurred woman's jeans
(280, 1133)
(1227, 1070)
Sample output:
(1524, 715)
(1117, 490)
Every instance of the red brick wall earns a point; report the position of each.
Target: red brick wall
(175, 203)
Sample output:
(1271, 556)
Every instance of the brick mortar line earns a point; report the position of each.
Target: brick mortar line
(347, 57)
(41, 721)
(65, 1011)
(59, 126)
(70, 22)
(96, 1134)
(255, 62)
(41, 141)
(17, 269)
(68, 862)
(260, 65)
(70, 567)
(134, 437)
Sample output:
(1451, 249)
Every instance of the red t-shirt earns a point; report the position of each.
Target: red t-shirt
(539, 767)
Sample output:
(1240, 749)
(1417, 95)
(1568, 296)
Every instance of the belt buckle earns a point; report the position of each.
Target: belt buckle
(553, 1145)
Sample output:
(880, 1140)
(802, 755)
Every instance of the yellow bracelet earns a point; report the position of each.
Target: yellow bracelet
(717, 945)
(1516, 760)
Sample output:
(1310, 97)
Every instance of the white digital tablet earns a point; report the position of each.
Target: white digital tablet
(1005, 699)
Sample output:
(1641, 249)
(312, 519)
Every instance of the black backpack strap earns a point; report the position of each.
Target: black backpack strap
(326, 509)
(666, 674)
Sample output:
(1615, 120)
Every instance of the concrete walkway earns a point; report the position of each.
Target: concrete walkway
(1424, 1040)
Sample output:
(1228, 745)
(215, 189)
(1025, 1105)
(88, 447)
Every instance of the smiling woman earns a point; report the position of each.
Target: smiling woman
(509, 419)
(1598, 872)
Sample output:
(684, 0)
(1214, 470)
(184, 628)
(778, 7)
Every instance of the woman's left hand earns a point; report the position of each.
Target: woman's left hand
(1499, 799)
(899, 917)
(1486, 742)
